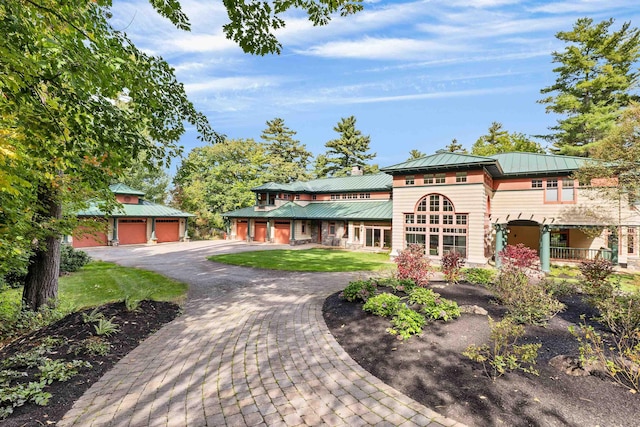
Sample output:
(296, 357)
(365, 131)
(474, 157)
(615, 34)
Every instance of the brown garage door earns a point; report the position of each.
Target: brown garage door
(132, 231)
(283, 232)
(260, 232)
(241, 230)
(167, 230)
(91, 238)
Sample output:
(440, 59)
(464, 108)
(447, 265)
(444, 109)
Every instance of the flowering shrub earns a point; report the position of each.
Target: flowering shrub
(384, 304)
(414, 265)
(359, 290)
(452, 263)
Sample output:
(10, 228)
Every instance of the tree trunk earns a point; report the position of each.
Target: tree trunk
(41, 283)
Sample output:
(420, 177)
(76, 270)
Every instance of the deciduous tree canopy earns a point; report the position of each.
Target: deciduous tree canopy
(498, 140)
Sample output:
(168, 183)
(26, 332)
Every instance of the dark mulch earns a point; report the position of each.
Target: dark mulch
(134, 327)
(432, 370)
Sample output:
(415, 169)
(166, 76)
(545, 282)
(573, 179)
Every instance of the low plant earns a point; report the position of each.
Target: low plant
(16, 320)
(423, 296)
(433, 305)
(398, 285)
(595, 273)
(93, 346)
(406, 322)
(106, 327)
(618, 354)
(359, 290)
(384, 304)
(479, 276)
(413, 264)
(558, 287)
(93, 316)
(58, 370)
(451, 265)
(72, 260)
(504, 354)
(17, 395)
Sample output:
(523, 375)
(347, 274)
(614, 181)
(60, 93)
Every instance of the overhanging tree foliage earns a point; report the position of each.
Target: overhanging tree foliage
(596, 76)
(63, 75)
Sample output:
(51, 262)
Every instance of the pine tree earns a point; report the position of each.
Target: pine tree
(349, 150)
(596, 75)
(287, 158)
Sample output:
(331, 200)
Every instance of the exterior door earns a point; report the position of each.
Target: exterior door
(167, 230)
(282, 232)
(132, 231)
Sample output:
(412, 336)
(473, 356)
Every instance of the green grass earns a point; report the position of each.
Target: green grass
(99, 283)
(322, 260)
(629, 282)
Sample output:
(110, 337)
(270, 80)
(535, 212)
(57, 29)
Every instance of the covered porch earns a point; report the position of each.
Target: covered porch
(559, 243)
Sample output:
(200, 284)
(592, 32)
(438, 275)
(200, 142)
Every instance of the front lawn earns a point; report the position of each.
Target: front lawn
(320, 260)
(628, 281)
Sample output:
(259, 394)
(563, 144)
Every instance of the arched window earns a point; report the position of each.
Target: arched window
(436, 225)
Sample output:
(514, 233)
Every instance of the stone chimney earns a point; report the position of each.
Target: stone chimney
(357, 171)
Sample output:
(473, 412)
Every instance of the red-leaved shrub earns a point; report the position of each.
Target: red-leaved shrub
(414, 265)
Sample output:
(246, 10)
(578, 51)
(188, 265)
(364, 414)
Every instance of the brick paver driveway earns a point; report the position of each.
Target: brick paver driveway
(251, 349)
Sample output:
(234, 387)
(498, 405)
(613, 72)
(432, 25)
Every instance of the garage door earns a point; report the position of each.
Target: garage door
(283, 232)
(167, 230)
(241, 230)
(132, 231)
(92, 238)
(260, 232)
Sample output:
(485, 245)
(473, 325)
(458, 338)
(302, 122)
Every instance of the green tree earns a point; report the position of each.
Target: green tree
(349, 150)
(288, 159)
(82, 102)
(455, 147)
(596, 77)
(218, 178)
(498, 140)
(148, 177)
(415, 154)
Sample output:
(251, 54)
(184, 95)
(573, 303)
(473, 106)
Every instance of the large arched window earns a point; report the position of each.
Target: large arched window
(435, 224)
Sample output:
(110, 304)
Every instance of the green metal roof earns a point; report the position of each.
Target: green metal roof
(142, 209)
(121, 188)
(368, 210)
(344, 184)
(517, 163)
(442, 161)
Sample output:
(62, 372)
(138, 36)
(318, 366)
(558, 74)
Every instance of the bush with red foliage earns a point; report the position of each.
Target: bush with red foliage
(414, 265)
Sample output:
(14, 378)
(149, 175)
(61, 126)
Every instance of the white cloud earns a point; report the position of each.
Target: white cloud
(232, 84)
(582, 6)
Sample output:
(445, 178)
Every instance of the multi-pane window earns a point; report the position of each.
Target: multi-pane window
(409, 180)
(332, 229)
(447, 229)
(631, 241)
(560, 190)
(365, 195)
(551, 195)
(428, 179)
(335, 197)
(440, 178)
(409, 218)
(314, 197)
(567, 190)
(536, 183)
(461, 177)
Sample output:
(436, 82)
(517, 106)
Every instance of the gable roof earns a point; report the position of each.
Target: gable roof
(141, 209)
(121, 188)
(375, 182)
(366, 210)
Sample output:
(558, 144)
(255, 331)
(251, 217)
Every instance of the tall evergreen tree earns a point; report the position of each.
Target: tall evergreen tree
(455, 147)
(415, 154)
(498, 140)
(596, 76)
(287, 158)
(349, 150)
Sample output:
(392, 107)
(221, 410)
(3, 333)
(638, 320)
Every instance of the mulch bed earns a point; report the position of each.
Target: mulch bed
(431, 369)
(134, 326)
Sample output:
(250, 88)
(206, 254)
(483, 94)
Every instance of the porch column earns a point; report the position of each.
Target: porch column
(268, 231)
(114, 240)
(293, 230)
(613, 244)
(350, 233)
(153, 239)
(185, 238)
(501, 241)
(545, 248)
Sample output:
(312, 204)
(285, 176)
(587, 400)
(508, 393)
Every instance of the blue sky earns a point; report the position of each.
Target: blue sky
(415, 74)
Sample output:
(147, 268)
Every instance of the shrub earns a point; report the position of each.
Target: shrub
(384, 304)
(620, 354)
(72, 259)
(621, 314)
(452, 263)
(433, 306)
(504, 354)
(414, 265)
(595, 273)
(423, 296)
(479, 276)
(359, 290)
(519, 288)
(16, 321)
(406, 322)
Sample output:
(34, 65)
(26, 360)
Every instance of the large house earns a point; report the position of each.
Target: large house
(446, 202)
(136, 221)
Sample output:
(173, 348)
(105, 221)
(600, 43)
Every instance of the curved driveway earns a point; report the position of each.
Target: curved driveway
(252, 348)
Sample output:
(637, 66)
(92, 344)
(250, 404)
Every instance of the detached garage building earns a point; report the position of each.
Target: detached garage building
(137, 221)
